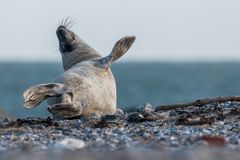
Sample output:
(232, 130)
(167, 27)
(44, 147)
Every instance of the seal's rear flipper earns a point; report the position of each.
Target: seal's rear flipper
(119, 49)
(37, 94)
(64, 110)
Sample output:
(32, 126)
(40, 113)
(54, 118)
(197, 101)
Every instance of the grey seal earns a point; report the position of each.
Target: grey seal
(87, 84)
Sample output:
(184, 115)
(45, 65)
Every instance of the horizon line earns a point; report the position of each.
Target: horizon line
(130, 61)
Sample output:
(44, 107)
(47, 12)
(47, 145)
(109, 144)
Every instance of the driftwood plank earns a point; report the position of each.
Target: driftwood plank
(199, 102)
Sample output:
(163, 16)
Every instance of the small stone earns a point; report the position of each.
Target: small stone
(174, 144)
(146, 135)
(173, 113)
(135, 117)
(40, 127)
(109, 118)
(70, 143)
(172, 138)
(233, 141)
(146, 107)
(77, 125)
(120, 113)
(156, 129)
(100, 141)
(93, 116)
(6, 120)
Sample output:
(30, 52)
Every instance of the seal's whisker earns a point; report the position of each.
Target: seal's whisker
(66, 21)
(67, 25)
(71, 23)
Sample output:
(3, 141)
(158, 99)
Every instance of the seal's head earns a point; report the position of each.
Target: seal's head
(72, 48)
(68, 40)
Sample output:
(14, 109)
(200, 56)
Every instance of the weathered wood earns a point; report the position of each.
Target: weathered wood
(199, 102)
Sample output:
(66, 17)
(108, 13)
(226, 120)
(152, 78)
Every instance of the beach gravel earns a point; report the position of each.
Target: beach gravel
(166, 133)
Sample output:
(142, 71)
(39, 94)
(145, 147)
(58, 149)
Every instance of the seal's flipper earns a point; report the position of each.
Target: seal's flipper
(64, 110)
(119, 49)
(36, 94)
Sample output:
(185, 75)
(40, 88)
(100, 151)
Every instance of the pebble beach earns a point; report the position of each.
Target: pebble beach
(167, 133)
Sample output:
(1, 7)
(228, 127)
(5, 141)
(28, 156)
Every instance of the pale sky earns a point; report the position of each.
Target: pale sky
(166, 30)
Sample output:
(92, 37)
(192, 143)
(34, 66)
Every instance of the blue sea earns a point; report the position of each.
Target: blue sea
(137, 83)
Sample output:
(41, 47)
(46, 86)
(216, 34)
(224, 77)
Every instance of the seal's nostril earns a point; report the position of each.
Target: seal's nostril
(62, 34)
(61, 30)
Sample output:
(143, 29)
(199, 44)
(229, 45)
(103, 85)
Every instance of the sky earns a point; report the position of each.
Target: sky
(165, 30)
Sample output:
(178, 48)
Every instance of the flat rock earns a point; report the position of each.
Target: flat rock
(70, 143)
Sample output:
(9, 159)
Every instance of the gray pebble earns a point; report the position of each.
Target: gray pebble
(146, 107)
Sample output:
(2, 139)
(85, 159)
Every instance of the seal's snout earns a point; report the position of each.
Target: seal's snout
(61, 29)
(63, 34)
(68, 41)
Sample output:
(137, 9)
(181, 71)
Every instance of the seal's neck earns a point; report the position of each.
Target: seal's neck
(83, 53)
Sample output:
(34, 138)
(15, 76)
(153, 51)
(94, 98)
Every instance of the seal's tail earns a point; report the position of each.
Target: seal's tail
(119, 49)
(35, 95)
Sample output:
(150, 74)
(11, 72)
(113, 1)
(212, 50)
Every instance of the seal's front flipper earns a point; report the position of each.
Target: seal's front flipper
(36, 94)
(119, 49)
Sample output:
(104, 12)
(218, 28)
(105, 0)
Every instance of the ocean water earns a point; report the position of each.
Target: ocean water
(137, 83)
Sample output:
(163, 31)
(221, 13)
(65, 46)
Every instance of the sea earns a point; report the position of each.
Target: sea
(137, 83)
